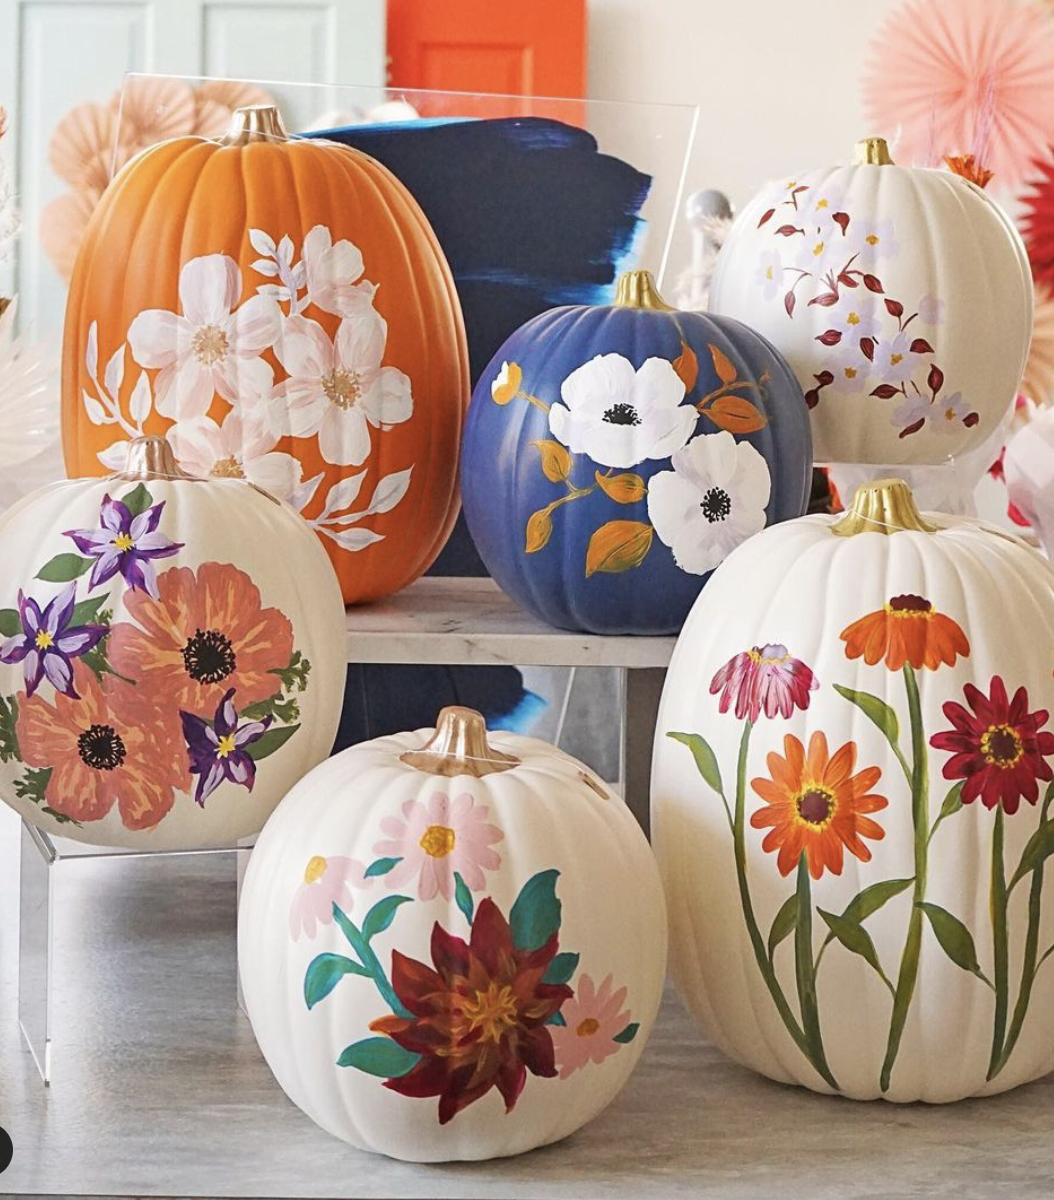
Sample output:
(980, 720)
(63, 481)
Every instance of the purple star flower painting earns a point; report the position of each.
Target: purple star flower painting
(47, 643)
(219, 749)
(127, 543)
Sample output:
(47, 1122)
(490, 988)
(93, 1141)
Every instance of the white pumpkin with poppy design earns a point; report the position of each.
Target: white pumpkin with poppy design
(866, 278)
(167, 665)
(852, 804)
(452, 948)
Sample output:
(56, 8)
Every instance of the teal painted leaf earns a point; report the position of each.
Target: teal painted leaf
(138, 500)
(87, 610)
(871, 899)
(878, 710)
(10, 623)
(783, 923)
(381, 867)
(535, 916)
(463, 897)
(561, 968)
(379, 1056)
(557, 1018)
(272, 740)
(1038, 848)
(324, 973)
(64, 567)
(955, 939)
(628, 1034)
(853, 937)
(381, 915)
(705, 759)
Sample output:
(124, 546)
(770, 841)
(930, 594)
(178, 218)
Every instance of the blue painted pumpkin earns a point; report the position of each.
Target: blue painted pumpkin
(614, 455)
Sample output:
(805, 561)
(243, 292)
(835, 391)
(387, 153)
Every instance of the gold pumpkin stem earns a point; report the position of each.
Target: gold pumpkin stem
(151, 458)
(885, 506)
(255, 123)
(873, 151)
(636, 289)
(459, 746)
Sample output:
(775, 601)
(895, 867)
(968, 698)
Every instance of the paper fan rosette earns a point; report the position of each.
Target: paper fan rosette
(957, 76)
(1037, 219)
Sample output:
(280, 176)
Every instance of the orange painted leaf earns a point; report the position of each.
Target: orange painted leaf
(687, 366)
(626, 488)
(556, 462)
(539, 529)
(736, 414)
(723, 365)
(618, 546)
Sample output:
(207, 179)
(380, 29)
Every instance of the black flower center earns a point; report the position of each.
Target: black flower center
(101, 748)
(815, 806)
(910, 604)
(716, 504)
(622, 414)
(209, 656)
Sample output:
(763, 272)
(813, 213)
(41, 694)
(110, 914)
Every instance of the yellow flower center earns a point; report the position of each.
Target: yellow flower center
(815, 805)
(226, 746)
(853, 319)
(850, 372)
(817, 250)
(315, 869)
(342, 388)
(1001, 746)
(227, 468)
(872, 239)
(43, 639)
(949, 414)
(209, 345)
(821, 204)
(123, 541)
(768, 273)
(493, 1012)
(437, 841)
(587, 1027)
(910, 607)
(755, 656)
(895, 358)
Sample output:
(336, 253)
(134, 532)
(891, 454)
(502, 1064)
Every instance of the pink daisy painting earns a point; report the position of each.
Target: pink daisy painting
(594, 1018)
(437, 839)
(326, 881)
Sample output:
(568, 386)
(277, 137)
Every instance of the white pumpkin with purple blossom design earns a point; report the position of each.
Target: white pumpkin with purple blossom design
(166, 656)
(452, 948)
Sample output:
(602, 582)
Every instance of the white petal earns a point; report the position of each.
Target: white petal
(156, 337)
(656, 385)
(303, 348)
(664, 431)
(317, 241)
(276, 473)
(598, 384)
(244, 380)
(751, 485)
(184, 390)
(298, 407)
(672, 501)
(196, 444)
(344, 437)
(209, 287)
(255, 327)
(387, 401)
(360, 341)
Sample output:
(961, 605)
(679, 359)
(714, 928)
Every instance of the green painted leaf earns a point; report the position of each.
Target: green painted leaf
(871, 899)
(324, 973)
(10, 622)
(380, 867)
(272, 740)
(705, 759)
(783, 923)
(853, 937)
(87, 611)
(557, 1018)
(64, 567)
(381, 915)
(535, 915)
(878, 711)
(8, 729)
(955, 939)
(138, 500)
(628, 1034)
(463, 897)
(1038, 848)
(33, 784)
(953, 801)
(379, 1056)
(561, 968)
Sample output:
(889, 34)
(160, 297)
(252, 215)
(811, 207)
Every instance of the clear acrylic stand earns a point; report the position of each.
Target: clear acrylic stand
(45, 864)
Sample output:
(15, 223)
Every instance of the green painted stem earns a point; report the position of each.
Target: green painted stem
(920, 815)
(1000, 946)
(371, 962)
(804, 968)
(756, 940)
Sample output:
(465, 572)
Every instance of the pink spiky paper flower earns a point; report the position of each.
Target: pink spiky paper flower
(1037, 219)
(953, 77)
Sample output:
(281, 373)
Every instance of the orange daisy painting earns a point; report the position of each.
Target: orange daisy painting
(906, 630)
(816, 806)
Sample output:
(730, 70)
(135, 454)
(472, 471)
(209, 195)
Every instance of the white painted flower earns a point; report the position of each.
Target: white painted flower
(876, 241)
(768, 277)
(856, 316)
(338, 388)
(851, 373)
(241, 448)
(893, 362)
(713, 499)
(330, 271)
(620, 416)
(212, 347)
(945, 414)
(931, 309)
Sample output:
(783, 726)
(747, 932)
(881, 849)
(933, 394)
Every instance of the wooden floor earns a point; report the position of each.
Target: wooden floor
(159, 1089)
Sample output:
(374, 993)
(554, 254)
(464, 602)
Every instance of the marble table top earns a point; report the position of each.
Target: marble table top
(159, 1089)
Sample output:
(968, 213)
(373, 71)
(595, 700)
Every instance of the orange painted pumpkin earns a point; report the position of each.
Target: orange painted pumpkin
(282, 311)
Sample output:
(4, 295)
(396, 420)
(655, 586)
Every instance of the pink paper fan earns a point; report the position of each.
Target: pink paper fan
(965, 77)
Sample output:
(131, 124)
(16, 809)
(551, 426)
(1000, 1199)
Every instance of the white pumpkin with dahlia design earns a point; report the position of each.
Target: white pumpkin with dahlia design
(167, 666)
(852, 804)
(451, 949)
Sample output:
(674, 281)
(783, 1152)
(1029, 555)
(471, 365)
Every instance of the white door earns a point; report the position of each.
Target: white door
(54, 54)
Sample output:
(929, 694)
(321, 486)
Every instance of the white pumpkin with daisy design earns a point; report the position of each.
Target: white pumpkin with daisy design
(452, 948)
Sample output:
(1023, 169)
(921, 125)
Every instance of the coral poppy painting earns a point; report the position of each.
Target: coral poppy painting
(138, 679)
